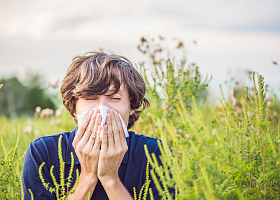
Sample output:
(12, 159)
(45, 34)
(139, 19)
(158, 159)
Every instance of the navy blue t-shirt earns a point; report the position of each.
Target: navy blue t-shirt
(132, 171)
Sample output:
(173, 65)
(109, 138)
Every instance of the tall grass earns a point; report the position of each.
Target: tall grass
(229, 151)
(221, 153)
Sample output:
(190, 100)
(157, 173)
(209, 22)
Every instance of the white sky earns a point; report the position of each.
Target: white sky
(43, 36)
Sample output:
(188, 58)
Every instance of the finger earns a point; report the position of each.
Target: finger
(110, 130)
(109, 123)
(90, 143)
(82, 128)
(104, 144)
(121, 131)
(87, 135)
(90, 127)
(97, 123)
(116, 130)
(91, 140)
(92, 122)
(88, 147)
(97, 143)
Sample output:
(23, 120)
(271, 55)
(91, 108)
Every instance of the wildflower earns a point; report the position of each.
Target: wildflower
(27, 129)
(213, 132)
(58, 112)
(46, 113)
(37, 133)
(38, 109)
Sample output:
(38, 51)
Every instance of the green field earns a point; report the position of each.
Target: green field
(229, 151)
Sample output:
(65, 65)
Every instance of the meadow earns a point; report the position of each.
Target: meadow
(224, 151)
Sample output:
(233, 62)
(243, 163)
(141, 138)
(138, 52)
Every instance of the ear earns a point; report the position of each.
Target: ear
(132, 112)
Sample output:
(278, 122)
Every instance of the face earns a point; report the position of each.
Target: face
(118, 102)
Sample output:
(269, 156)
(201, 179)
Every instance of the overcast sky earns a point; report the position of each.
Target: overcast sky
(43, 36)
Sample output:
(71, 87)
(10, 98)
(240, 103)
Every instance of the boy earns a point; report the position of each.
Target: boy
(104, 94)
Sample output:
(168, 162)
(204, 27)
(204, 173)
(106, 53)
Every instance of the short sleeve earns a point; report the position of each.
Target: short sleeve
(35, 155)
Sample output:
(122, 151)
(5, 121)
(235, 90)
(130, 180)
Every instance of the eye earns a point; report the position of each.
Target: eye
(116, 98)
(91, 98)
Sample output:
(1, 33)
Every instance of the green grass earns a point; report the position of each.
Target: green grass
(38, 127)
(229, 151)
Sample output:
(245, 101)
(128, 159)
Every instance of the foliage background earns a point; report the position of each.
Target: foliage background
(224, 151)
(20, 98)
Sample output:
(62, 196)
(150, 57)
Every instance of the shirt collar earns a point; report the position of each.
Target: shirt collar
(70, 149)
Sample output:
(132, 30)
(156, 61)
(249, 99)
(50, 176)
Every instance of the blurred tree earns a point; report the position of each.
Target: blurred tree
(12, 96)
(20, 99)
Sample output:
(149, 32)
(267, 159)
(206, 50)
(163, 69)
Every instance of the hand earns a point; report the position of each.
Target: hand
(113, 148)
(87, 144)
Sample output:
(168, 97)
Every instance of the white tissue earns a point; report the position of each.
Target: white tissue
(103, 112)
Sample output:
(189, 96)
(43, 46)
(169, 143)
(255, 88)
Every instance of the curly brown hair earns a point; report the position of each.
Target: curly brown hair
(94, 72)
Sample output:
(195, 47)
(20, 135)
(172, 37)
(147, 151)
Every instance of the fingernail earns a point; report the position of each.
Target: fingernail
(115, 113)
